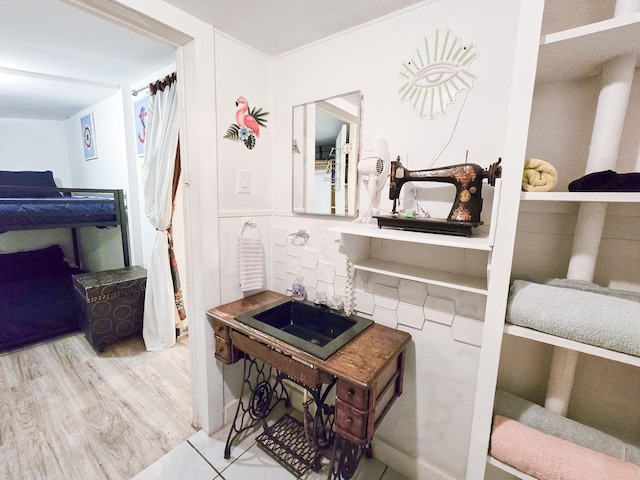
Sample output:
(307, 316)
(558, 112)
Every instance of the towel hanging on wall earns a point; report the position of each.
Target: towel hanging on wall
(250, 257)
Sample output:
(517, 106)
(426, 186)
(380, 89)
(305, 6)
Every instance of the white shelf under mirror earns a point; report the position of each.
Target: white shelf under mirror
(479, 240)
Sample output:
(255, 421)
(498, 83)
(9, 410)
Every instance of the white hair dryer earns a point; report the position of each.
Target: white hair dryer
(373, 167)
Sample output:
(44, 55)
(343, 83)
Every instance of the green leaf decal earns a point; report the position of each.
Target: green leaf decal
(250, 141)
(232, 132)
(259, 115)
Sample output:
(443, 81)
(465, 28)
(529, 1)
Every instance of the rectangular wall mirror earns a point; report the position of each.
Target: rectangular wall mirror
(326, 148)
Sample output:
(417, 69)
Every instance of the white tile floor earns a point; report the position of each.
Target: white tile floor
(201, 457)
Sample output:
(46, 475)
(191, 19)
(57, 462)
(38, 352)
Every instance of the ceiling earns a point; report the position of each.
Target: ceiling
(56, 60)
(299, 22)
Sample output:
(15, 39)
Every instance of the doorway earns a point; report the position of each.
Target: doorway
(193, 40)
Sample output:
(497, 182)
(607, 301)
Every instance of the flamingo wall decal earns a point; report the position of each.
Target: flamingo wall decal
(244, 118)
(248, 123)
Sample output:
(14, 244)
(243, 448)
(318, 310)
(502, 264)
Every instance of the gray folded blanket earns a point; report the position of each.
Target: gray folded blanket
(546, 421)
(580, 285)
(602, 319)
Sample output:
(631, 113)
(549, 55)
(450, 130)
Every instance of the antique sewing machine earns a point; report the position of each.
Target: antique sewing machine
(467, 205)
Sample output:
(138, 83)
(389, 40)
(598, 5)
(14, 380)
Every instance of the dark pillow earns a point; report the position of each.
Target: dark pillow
(10, 183)
(18, 266)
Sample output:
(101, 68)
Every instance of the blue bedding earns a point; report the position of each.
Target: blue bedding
(17, 213)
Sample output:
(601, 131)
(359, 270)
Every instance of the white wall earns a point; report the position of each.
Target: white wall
(426, 434)
(35, 145)
(242, 72)
(249, 78)
(109, 170)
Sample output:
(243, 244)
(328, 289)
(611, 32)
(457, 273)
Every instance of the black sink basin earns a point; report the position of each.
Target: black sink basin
(314, 329)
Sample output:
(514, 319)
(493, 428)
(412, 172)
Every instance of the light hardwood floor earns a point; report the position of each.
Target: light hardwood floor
(69, 413)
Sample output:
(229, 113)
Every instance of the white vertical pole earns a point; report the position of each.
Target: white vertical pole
(586, 241)
(626, 6)
(617, 76)
(563, 368)
(611, 110)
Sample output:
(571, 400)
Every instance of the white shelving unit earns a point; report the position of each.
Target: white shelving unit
(443, 278)
(565, 55)
(581, 197)
(356, 239)
(536, 336)
(479, 240)
(580, 52)
(509, 469)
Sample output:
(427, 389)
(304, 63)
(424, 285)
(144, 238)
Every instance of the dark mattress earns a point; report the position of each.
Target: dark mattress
(37, 299)
(36, 310)
(16, 213)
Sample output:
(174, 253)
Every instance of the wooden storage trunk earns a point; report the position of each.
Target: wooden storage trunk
(112, 304)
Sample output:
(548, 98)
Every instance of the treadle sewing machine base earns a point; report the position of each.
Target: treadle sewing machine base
(365, 389)
(286, 441)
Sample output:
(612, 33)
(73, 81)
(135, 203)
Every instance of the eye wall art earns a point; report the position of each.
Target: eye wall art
(437, 73)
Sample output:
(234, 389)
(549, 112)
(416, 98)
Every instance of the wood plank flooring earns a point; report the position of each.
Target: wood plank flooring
(69, 413)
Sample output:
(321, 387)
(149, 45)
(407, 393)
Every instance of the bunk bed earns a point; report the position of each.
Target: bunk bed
(36, 290)
(31, 200)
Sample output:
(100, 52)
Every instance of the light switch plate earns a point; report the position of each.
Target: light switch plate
(244, 181)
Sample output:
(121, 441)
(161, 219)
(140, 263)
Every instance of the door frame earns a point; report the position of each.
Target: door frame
(193, 40)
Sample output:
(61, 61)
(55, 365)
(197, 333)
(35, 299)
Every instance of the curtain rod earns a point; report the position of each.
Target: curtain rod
(136, 92)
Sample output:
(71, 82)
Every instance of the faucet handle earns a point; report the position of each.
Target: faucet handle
(336, 302)
(321, 298)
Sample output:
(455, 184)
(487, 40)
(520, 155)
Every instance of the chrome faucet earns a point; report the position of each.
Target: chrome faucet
(336, 303)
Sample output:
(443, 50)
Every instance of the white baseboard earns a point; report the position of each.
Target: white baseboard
(230, 410)
(404, 464)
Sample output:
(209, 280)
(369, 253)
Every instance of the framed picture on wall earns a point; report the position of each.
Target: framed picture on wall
(88, 137)
(140, 113)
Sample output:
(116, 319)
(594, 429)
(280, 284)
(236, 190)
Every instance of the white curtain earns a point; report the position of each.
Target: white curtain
(161, 143)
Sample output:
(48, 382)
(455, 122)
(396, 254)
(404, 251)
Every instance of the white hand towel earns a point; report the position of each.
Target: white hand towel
(250, 263)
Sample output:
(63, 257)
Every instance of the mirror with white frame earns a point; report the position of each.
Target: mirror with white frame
(326, 148)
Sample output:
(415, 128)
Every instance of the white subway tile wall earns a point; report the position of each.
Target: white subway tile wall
(388, 301)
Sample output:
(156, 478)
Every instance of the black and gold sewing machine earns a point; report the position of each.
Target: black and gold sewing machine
(467, 205)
